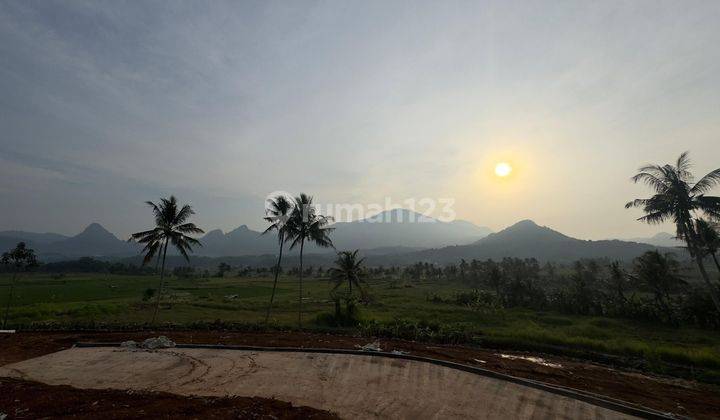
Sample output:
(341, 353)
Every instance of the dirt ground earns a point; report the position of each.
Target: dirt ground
(663, 394)
(353, 386)
(31, 400)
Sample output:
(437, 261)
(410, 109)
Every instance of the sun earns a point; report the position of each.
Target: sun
(503, 169)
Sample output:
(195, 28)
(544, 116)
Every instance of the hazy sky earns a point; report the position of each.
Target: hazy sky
(106, 104)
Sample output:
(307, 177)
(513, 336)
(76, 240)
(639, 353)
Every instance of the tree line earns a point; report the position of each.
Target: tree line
(653, 288)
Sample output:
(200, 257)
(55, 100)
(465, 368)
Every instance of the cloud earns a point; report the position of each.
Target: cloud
(231, 100)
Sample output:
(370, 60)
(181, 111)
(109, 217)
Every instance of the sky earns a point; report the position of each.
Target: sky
(107, 104)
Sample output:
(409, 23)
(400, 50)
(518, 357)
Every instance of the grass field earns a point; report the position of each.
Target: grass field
(397, 308)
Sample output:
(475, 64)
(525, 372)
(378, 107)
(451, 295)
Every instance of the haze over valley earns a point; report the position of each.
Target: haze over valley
(393, 237)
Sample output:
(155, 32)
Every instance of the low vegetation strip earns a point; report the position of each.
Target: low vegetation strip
(440, 310)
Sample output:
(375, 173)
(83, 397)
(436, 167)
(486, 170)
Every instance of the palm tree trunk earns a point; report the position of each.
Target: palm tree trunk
(157, 262)
(9, 301)
(277, 272)
(302, 245)
(160, 288)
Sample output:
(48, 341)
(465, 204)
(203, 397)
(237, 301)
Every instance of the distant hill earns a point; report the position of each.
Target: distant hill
(388, 239)
(10, 238)
(663, 239)
(404, 228)
(9, 242)
(32, 237)
(526, 239)
(391, 232)
(239, 242)
(94, 241)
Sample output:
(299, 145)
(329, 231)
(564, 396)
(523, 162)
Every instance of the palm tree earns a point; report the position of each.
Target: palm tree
(20, 259)
(306, 225)
(171, 227)
(677, 197)
(278, 213)
(660, 274)
(709, 238)
(348, 268)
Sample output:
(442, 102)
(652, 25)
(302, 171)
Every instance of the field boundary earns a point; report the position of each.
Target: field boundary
(587, 397)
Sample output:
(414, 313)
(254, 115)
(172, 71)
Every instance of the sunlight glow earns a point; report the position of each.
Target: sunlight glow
(503, 169)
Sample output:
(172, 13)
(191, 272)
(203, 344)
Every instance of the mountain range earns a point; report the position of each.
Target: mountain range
(387, 238)
(661, 239)
(526, 239)
(394, 231)
(93, 241)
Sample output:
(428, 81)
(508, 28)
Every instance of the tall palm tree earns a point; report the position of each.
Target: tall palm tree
(306, 225)
(709, 238)
(278, 213)
(348, 268)
(677, 198)
(171, 227)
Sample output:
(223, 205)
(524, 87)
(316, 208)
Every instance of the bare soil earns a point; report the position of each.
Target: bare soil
(661, 393)
(32, 400)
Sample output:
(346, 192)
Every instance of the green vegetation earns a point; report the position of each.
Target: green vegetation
(393, 306)
(18, 260)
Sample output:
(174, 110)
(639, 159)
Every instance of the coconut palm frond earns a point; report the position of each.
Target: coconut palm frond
(189, 228)
(707, 182)
(652, 180)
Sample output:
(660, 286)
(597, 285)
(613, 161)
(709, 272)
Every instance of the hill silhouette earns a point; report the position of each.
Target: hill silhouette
(526, 239)
(663, 239)
(93, 241)
(404, 228)
(392, 231)
(386, 239)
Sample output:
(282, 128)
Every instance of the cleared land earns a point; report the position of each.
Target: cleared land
(350, 385)
(663, 394)
(21, 399)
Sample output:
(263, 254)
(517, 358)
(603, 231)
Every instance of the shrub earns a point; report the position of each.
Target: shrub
(148, 294)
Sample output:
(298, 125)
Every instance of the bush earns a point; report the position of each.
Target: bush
(148, 294)
(349, 317)
(417, 331)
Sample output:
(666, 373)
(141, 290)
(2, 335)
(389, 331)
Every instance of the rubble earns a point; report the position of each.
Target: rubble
(161, 342)
(374, 346)
(154, 343)
(129, 344)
